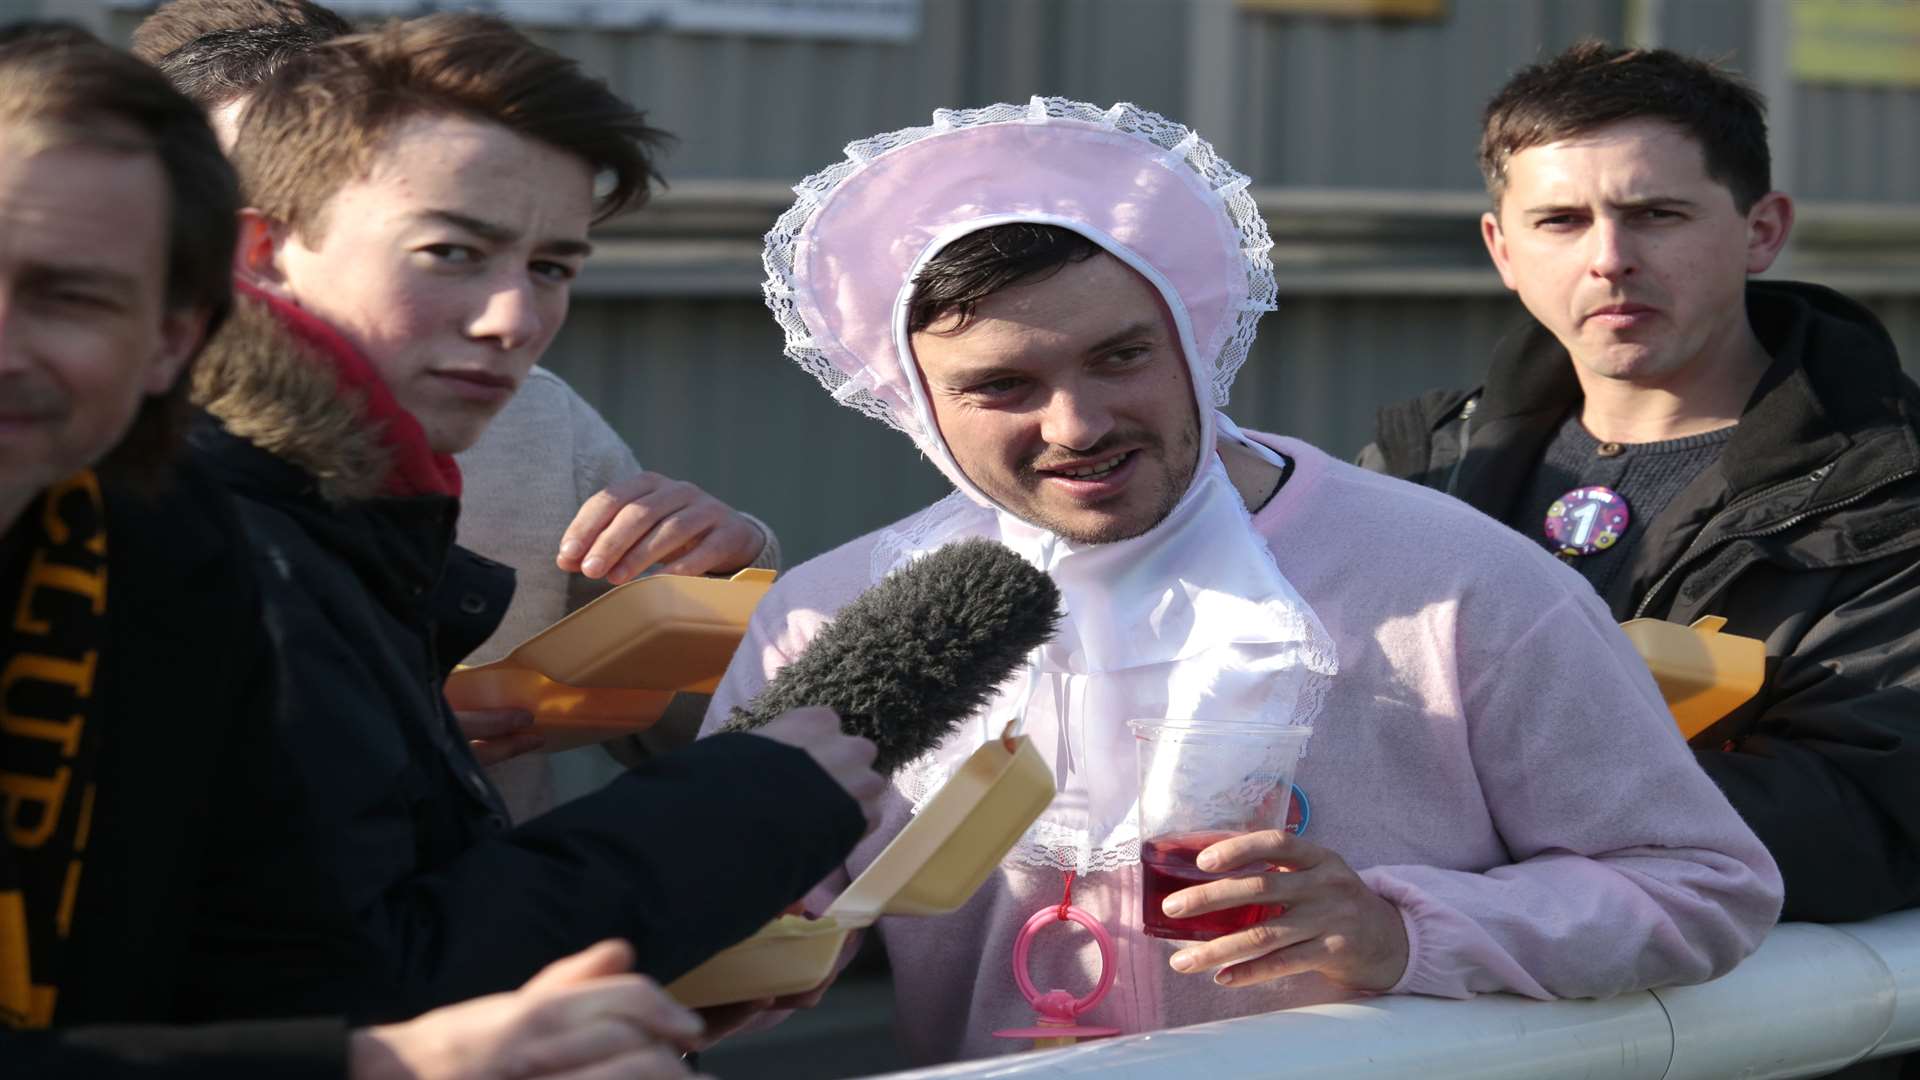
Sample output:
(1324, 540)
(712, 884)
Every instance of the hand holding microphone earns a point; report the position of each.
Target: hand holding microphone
(912, 657)
(848, 759)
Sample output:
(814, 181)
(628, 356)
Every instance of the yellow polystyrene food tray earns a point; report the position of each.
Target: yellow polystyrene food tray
(956, 840)
(1702, 673)
(932, 867)
(568, 716)
(612, 667)
(790, 955)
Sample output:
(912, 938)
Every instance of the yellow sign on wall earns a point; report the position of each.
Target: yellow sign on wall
(1873, 42)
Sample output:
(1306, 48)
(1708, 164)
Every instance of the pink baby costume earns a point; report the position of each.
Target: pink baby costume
(1488, 751)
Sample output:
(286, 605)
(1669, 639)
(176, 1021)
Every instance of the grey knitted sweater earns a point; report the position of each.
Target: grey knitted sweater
(545, 453)
(1647, 475)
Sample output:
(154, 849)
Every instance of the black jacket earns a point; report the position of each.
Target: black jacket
(181, 676)
(371, 872)
(1805, 533)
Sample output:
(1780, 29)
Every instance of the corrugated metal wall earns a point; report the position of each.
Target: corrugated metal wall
(1308, 100)
(1366, 103)
(1857, 143)
(767, 108)
(1848, 142)
(1318, 101)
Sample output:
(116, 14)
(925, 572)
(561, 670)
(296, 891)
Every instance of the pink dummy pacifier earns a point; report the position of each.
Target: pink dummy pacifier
(1058, 1011)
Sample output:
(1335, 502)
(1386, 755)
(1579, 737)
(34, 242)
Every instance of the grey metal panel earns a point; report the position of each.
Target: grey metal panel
(771, 108)
(1327, 101)
(1718, 30)
(1848, 142)
(1095, 50)
(1858, 143)
(1324, 101)
(1390, 104)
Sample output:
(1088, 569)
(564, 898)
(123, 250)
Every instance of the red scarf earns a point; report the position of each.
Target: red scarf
(417, 470)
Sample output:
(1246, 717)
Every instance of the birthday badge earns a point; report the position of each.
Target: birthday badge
(1587, 520)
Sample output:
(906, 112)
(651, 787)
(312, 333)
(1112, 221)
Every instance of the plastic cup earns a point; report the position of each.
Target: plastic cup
(1202, 781)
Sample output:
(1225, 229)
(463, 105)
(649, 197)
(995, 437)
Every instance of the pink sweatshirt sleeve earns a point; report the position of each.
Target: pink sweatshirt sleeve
(753, 663)
(1629, 867)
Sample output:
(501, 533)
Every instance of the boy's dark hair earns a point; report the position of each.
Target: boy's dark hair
(181, 21)
(222, 65)
(318, 122)
(1593, 84)
(982, 263)
(69, 89)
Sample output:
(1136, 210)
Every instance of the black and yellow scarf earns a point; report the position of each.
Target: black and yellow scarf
(53, 630)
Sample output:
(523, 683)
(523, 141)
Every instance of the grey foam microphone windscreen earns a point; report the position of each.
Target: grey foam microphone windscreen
(909, 659)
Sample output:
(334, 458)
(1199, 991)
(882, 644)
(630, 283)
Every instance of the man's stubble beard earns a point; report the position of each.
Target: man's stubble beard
(1186, 449)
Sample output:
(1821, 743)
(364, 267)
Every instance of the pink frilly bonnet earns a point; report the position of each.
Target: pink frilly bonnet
(840, 262)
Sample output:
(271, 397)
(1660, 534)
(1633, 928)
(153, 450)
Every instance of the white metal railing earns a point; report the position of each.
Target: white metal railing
(1812, 999)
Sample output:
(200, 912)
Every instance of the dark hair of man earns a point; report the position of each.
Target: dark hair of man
(222, 65)
(319, 121)
(73, 90)
(181, 21)
(1593, 84)
(982, 263)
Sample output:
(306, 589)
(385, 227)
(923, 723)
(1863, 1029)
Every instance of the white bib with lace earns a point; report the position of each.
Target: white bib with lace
(1190, 620)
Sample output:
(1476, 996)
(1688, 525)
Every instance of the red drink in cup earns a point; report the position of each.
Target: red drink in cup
(1200, 783)
(1166, 867)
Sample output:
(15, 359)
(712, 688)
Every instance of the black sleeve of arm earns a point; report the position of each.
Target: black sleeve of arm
(684, 855)
(283, 1049)
(1843, 852)
(1830, 776)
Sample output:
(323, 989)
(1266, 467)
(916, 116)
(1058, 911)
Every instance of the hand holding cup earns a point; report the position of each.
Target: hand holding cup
(1317, 916)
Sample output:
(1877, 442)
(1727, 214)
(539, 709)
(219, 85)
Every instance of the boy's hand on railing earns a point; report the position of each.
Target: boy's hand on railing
(582, 1017)
(1321, 917)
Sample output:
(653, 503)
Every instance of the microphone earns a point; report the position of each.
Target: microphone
(912, 657)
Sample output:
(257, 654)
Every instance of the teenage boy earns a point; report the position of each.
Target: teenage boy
(419, 198)
(549, 489)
